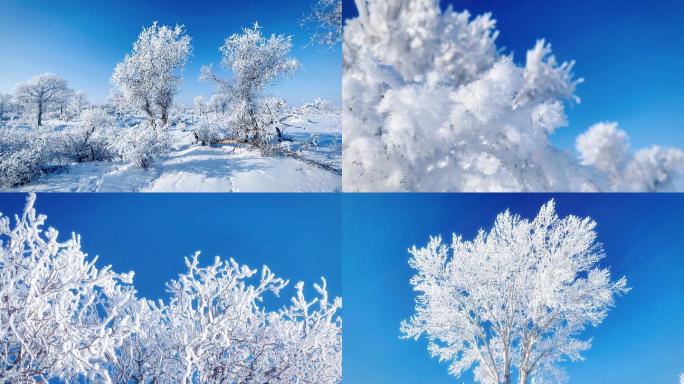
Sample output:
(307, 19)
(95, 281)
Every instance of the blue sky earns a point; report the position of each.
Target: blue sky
(296, 235)
(629, 52)
(641, 340)
(83, 40)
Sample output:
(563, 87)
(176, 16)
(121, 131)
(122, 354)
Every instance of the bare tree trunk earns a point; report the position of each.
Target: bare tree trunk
(40, 114)
(523, 377)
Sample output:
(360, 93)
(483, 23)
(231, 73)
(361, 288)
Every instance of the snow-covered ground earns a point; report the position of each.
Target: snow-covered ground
(190, 167)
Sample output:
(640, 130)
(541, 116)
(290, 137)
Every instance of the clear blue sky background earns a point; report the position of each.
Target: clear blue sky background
(83, 40)
(629, 52)
(641, 340)
(297, 235)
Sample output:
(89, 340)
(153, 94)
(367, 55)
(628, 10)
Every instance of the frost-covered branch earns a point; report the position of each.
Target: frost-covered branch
(62, 318)
(325, 22)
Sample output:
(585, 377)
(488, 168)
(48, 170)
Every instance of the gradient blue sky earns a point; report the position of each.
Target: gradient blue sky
(83, 40)
(629, 52)
(296, 235)
(641, 340)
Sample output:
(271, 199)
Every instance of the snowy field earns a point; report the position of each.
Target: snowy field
(313, 166)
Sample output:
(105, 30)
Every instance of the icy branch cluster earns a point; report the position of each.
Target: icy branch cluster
(431, 104)
(512, 302)
(62, 318)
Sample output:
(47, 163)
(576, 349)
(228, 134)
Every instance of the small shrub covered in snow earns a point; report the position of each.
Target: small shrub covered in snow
(210, 130)
(91, 138)
(24, 155)
(142, 144)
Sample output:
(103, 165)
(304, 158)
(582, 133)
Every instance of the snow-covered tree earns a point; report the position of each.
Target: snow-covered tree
(512, 303)
(61, 317)
(255, 62)
(148, 78)
(78, 103)
(200, 105)
(41, 92)
(219, 103)
(483, 122)
(325, 22)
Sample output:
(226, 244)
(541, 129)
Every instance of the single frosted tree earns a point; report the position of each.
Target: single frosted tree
(513, 302)
(200, 105)
(61, 317)
(40, 93)
(78, 103)
(148, 78)
(256, 62)
(325, 22)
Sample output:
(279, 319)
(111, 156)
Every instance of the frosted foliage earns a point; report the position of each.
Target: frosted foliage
(60, 316)
(148, 78)
(606, 147)
(431, 104)
(63, 318)
(512, 303)
(40, 93)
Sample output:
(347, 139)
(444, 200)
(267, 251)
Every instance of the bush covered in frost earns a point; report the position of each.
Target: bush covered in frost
(24, 155)
(91, 138)
(142, 144)
(432, 104)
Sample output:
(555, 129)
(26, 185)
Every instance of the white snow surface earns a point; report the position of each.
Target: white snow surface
(190, 167)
